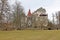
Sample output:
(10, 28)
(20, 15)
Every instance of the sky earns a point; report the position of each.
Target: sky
(51, 6)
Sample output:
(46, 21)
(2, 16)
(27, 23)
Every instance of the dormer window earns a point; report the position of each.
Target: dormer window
(43, 14)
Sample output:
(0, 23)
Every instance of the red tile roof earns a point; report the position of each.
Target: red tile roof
(29, 13)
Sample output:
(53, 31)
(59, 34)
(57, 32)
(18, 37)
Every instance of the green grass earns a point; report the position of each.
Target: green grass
(30, 35)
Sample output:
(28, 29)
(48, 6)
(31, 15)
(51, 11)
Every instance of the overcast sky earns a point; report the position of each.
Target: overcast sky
(51, 6)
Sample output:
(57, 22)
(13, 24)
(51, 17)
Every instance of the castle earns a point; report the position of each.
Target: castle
(36, 20)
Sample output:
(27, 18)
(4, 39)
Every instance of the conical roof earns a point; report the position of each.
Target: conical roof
(29, 13)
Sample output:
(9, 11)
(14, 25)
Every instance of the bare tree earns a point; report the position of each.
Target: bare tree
(4, 11)
(53, 18)
(18, 10)
(5, 8)
(58, 19)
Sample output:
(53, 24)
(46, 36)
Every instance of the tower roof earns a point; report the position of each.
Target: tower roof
(29, 13)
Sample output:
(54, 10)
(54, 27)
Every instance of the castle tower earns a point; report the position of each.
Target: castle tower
(29, 13)
(29, 19)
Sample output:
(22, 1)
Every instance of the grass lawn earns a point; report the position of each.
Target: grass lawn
(30, 35)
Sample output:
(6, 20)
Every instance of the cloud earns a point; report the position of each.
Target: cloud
(54, 7)
(50, 5)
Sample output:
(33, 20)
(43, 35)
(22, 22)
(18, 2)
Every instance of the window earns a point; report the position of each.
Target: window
(36, 19)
